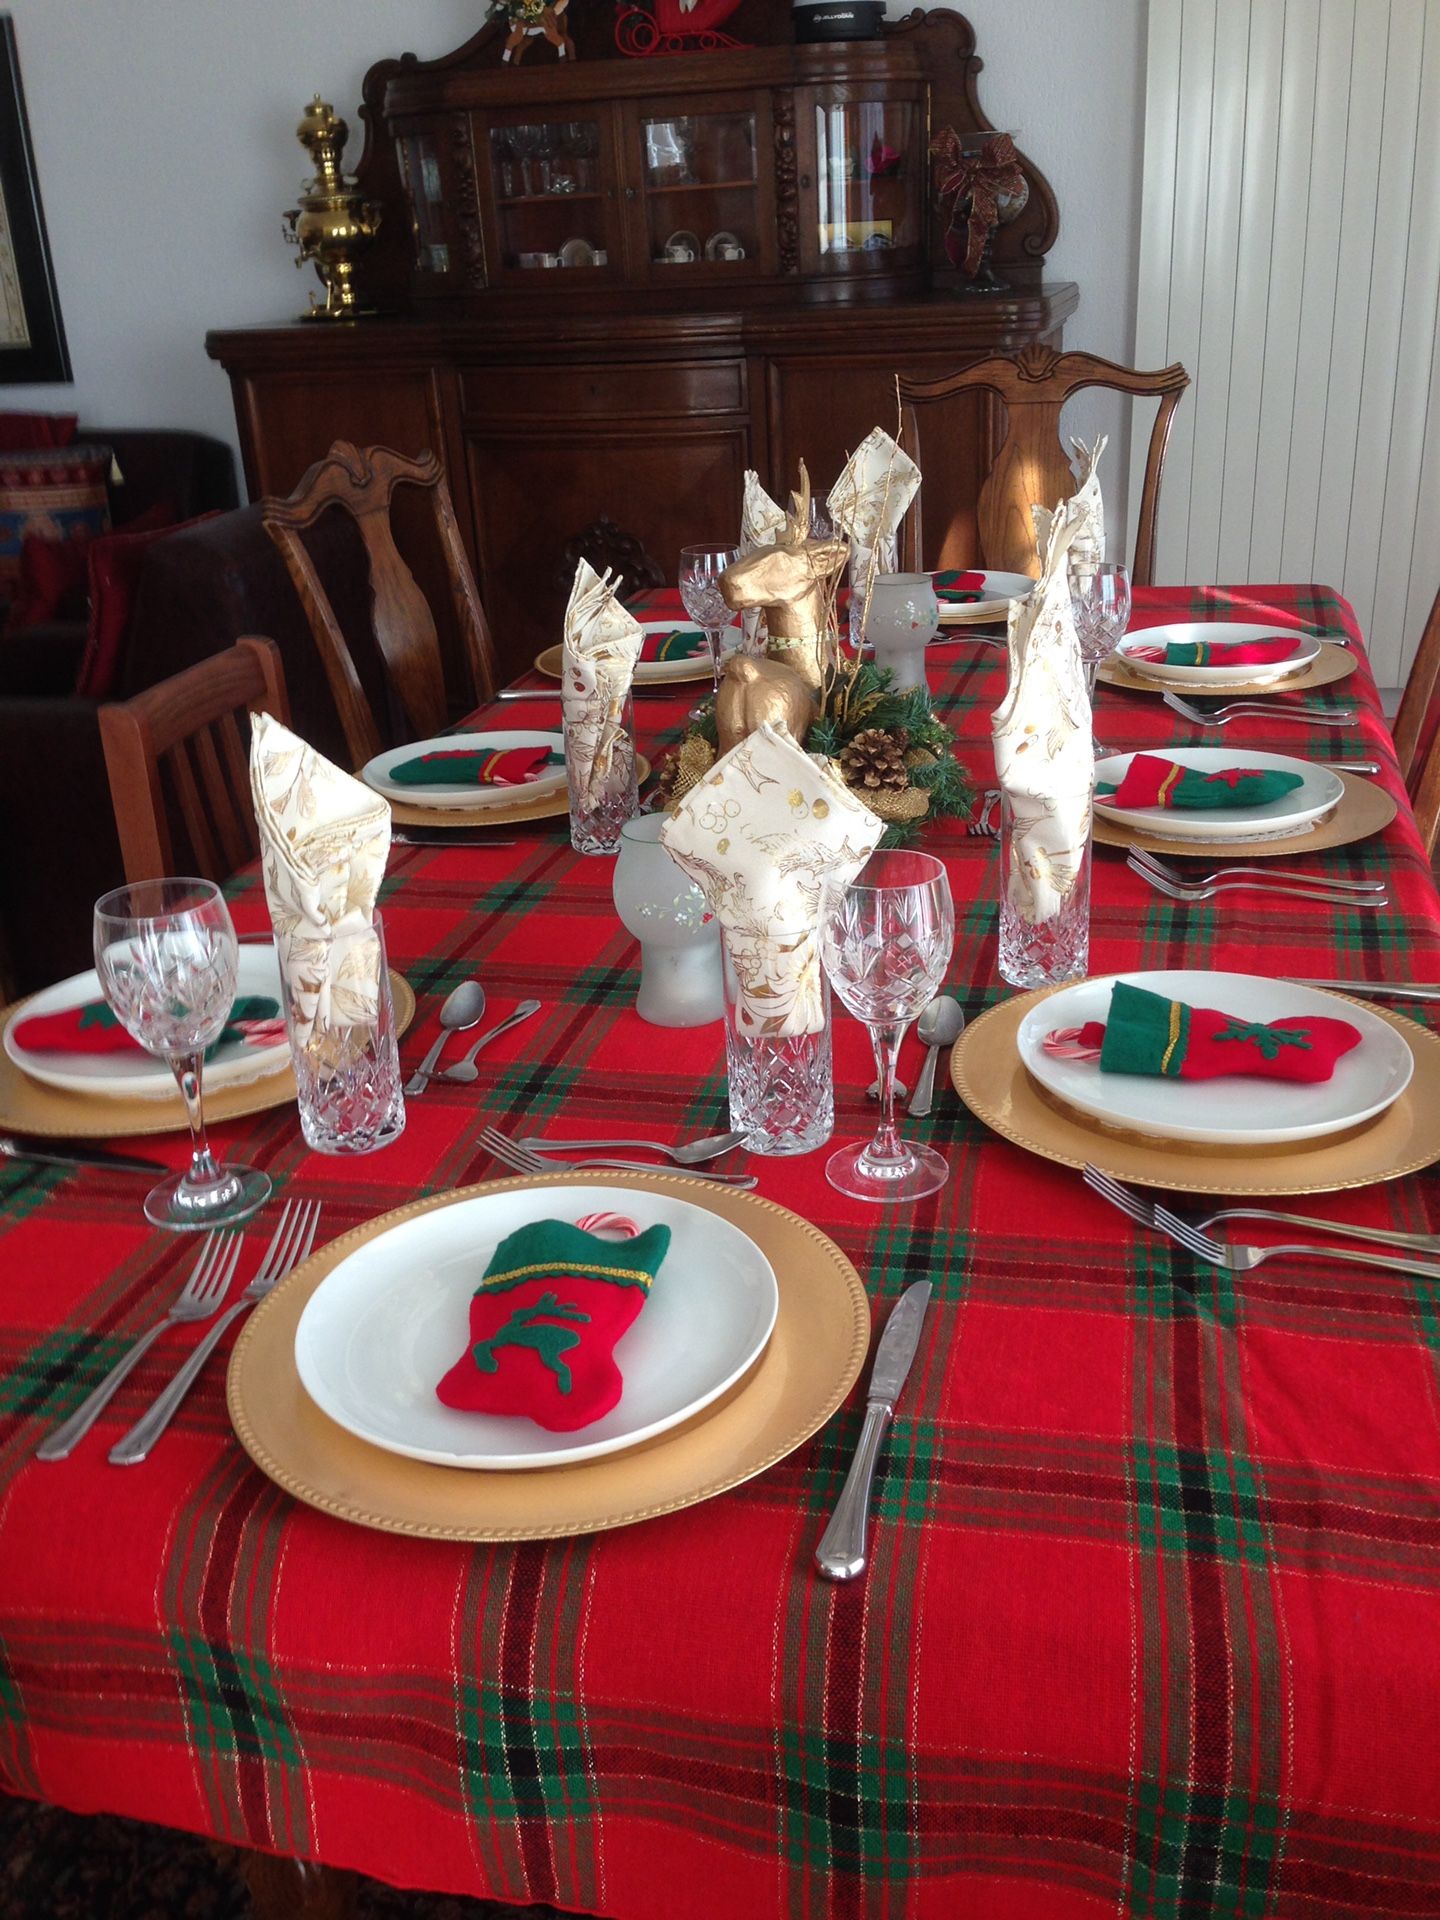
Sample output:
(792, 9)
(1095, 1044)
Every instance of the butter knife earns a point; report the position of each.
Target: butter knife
(841, 1553)
(1378, 989)
(60, 1155)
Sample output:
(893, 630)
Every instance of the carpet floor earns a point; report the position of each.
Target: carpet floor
(64, 1866)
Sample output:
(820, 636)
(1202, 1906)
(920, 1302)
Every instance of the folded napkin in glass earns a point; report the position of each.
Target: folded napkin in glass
(683, 643)
(255, 1021)
(956, 589)
(1153, 781)
(1148, 1033)
(544, 1321)
(1220, 653)
(475, 767)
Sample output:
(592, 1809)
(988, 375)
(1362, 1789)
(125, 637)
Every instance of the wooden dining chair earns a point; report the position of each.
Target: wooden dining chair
(361, 482)
(1417, 731)
(1032, 467)
(175, 753)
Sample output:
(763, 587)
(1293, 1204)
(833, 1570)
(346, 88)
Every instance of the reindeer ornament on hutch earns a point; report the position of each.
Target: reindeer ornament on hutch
(529, 19)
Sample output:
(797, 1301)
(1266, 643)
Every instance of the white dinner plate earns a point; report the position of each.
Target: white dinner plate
(139, 1076)
(1218, 633)
(1235, 1111)
(384, 1328)
(1321, 789)
(375, 773)
(658, 671)
(997, 593)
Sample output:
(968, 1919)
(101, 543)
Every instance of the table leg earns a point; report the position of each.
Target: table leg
(291, 1889)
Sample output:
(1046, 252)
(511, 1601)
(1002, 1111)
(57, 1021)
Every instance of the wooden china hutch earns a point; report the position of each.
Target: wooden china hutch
(606, 286)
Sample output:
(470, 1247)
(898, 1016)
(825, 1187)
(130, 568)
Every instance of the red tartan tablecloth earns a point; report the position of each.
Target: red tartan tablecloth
(1151, 1625)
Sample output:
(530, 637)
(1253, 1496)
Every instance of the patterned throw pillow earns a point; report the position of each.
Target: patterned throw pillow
(56, 494)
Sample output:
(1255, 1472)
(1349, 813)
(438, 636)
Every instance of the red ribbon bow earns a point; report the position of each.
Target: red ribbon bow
(983, 179)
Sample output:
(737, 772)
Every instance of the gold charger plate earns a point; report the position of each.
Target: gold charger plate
(548, 663)
(1363, 809)
(500, 813)
(991, 1079)
(1332, 663)
(813, 1358)
(47, 1112)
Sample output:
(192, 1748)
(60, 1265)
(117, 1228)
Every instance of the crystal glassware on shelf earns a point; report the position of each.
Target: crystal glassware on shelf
(885, 942)
(700, 571)
(526, 141)
(167, 956)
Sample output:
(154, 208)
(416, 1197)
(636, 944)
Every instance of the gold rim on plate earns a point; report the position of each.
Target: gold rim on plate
(548, 663)
(1362, 810)
(992, 1080)
(499, 813)
(28, 1107)
(812, 1359)
(1332, 663)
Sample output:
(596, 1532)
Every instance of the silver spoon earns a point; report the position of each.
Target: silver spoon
(463, 1008)
(466, 1070)
(690, 1155)
(940, 1025)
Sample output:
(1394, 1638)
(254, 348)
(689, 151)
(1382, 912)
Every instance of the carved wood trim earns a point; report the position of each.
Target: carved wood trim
(467, 201)
(787, 190)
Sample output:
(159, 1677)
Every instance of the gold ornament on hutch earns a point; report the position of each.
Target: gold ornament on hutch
(334, 222)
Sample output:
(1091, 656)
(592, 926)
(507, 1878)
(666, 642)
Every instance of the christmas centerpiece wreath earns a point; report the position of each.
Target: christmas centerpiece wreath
(889, 747)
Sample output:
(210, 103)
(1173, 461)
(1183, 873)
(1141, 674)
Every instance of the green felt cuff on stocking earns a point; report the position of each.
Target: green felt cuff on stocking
(544, 1322)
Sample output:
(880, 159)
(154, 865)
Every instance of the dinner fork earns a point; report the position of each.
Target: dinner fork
(1239, 709)
(197, 1300)
(524, 1160)
(291, 1242)
(1141, 1209)
(688, 1154)
(1207, 890)
(1141, 856)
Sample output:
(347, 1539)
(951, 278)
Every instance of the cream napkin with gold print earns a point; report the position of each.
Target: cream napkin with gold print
(324, 841)
(597, 664)
(761, 523)
(1085, 504)
(759, 835)
(867, 504)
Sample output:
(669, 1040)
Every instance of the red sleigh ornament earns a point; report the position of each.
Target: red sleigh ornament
(673, 26)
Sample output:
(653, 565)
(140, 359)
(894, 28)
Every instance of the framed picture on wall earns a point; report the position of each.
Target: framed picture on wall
(32, 336)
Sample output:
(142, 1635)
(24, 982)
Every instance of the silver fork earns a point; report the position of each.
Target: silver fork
(1142, 1209)
(523, 1160)
(290, 1244)
(1237, 709)
(197, 1300)
(1197, 890)
(1242, 1259)
(1143, 857)
(689, 1154)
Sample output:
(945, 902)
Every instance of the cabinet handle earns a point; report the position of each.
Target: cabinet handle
(805, 182)
(630, 193)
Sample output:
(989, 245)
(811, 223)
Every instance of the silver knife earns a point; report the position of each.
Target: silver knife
(59, 1155)
(1378, 989)
(841, 1552)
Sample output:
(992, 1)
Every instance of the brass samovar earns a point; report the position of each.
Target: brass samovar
(333, 223)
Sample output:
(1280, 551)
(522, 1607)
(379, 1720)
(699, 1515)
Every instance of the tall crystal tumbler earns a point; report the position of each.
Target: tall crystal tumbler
(347, 1076)
(601, 803)
(782, 1089)
(1039, 949)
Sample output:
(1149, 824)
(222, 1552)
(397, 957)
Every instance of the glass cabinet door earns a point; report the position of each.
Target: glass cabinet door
(435, 250)
(550, 189)
(869, 172)
(700, 183)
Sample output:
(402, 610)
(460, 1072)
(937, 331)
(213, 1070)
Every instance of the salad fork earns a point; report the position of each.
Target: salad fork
(688, 1154)
(197, 1300)
(1142, 1210)
(290, 1243)
(525, 1160)
(1238, 709)
(1207, 890)
(1242, 1259)
(1141, 856)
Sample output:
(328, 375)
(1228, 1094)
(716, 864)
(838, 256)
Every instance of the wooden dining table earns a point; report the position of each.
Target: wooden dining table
(1151, 1623)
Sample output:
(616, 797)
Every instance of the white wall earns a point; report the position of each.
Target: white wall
(164, 139)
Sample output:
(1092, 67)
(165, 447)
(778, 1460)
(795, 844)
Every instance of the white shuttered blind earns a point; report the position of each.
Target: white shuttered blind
(1290, 257)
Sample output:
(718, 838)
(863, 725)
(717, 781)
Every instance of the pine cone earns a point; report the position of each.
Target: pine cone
(874, 761)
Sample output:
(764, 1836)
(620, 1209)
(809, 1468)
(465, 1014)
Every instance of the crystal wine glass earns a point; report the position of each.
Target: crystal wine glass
(700, 571)
(167, 956)
(1100, 597)
(885, 942)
